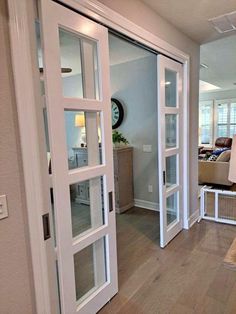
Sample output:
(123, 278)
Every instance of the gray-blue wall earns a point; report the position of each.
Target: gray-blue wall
(135, 84)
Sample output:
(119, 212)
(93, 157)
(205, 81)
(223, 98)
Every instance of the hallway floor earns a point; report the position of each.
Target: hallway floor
(186, 277)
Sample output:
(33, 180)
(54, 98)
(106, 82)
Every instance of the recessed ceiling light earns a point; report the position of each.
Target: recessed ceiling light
(167, 83)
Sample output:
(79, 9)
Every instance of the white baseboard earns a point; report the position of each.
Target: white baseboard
(146, 204)
(193, 218)
(155, 206)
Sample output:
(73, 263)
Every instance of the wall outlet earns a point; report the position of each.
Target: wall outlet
(150, 188)
(147, 148)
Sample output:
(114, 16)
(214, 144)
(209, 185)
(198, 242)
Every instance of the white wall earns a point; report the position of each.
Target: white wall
(139, 13)
(134, 83)
(16, 285)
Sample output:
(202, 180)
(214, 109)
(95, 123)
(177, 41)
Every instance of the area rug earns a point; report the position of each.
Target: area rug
(230, 258)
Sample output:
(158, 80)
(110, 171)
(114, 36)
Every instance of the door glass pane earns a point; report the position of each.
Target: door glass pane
(171, 176)
(170, 88)
(87, 205)
(172, 208)
(83, 136)
(79, 66)
(171, 129)
(90, 269)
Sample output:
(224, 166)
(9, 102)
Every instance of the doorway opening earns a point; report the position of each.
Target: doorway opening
(217, 128)
(133, 77)
(81, 194)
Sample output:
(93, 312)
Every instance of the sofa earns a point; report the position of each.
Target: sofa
(213, 164)
(213, 172)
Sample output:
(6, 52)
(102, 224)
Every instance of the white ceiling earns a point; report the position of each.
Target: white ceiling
(220, 57)
(191, 16)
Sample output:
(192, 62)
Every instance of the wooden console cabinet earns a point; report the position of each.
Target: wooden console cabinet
(123, 177)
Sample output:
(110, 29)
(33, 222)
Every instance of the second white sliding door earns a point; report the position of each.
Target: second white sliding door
(170, 146)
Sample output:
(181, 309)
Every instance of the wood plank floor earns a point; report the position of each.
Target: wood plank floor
(188, 276)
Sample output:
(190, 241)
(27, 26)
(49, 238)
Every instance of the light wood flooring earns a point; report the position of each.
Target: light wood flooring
(186, 277)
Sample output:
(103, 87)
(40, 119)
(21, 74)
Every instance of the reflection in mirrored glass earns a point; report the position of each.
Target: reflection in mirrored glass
(172, 208)
(171, 167)
(170, 88)
(83, 147)
(87, 205)
(90, 269)
(79, 66)
(171, 130)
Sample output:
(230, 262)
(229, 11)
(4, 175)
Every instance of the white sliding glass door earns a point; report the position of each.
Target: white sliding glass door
(79, 101)
(170, 141)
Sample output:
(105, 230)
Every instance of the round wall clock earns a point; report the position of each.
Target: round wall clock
(117, 113)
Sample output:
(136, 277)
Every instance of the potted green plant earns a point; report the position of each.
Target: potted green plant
(118, 139)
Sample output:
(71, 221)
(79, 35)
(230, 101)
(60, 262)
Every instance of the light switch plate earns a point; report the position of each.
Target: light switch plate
(150, 188)
(147, 148)
(3, 207)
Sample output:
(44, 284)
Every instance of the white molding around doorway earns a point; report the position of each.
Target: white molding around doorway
(21, 17)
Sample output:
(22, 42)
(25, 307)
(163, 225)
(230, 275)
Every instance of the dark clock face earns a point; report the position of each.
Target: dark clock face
(117, 112)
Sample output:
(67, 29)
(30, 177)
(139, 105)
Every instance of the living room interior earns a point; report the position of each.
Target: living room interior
(217, 125)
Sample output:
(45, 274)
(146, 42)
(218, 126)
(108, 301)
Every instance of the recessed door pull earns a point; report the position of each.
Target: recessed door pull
(110, 194)
(46, 227)
(164, 178)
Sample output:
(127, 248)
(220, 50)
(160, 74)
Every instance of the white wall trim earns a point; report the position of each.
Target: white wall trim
(21, 25)
(101, 13)
(193, 218)
(146, 204)
(149, 205)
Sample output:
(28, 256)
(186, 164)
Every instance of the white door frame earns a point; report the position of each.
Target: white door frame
(22, 15)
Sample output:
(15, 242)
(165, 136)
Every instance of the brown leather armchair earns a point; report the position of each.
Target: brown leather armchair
(221, 142)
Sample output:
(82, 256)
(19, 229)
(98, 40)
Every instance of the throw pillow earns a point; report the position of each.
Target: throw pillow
(212, 158)
(218, 151)
(225, 156)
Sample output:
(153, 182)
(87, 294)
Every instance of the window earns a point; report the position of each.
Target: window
(232, 130)
(206, 123)
(216, 120)
(221, 120)
(225, 118)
